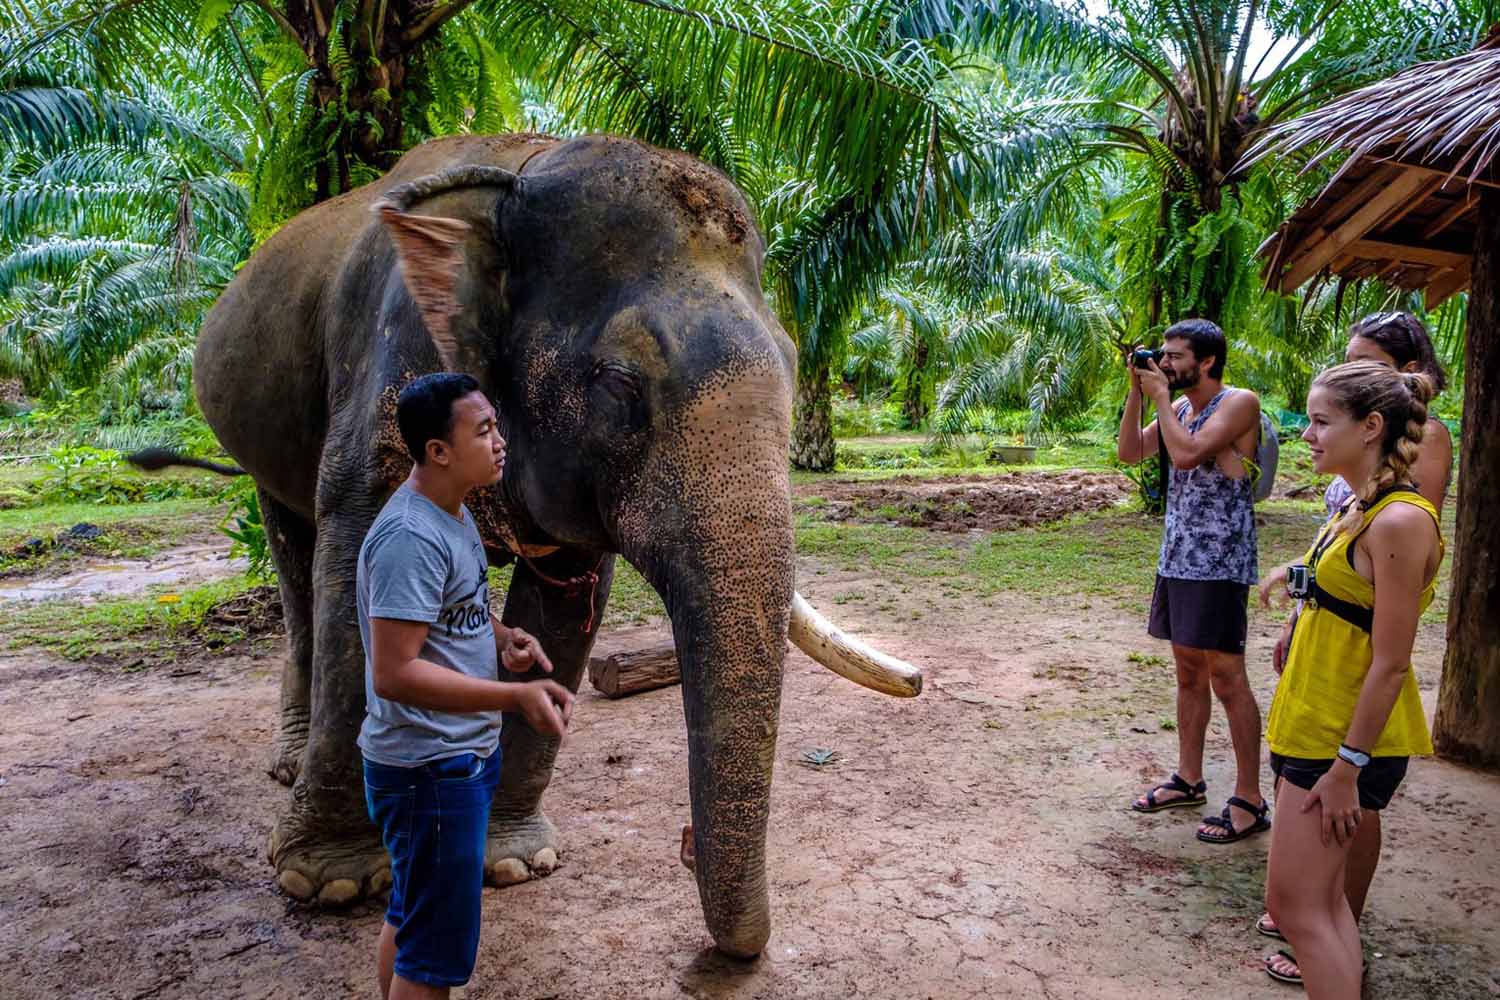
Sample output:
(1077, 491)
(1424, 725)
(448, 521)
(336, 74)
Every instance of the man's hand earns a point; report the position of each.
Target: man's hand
(1153, 383)
(522, 652)
(1273, 585)
(546, 705)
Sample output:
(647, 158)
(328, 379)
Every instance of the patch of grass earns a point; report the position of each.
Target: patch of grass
(153, 624)
(18, 525)
(632, 601)
(1147, 659)
(42, 544)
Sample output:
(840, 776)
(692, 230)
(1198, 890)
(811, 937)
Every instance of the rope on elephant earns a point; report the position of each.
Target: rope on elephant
(573, 586)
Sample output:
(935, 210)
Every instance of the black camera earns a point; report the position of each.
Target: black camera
(1142, 357)
(1299, 581)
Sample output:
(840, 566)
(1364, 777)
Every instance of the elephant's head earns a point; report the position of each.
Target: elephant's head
(609, 298)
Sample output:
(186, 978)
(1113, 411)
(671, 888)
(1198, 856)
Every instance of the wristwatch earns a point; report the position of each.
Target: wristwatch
(1349, 755)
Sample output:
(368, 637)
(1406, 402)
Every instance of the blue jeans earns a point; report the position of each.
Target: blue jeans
(433, 819)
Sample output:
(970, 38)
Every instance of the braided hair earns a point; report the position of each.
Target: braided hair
(1405, 339)
(1360, 388)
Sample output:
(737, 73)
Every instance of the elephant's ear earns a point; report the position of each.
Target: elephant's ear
(430, 250)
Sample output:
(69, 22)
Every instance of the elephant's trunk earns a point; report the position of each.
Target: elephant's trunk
(713, 534)
(732, 653)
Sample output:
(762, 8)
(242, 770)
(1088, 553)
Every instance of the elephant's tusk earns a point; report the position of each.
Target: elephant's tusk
(847, 656)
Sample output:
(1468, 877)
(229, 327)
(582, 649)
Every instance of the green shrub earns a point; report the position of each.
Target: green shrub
(856, 418)
(84, 474)
(80, 474)
(243, 525)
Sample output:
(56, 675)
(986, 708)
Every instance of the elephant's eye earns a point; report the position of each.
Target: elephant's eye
(617, 380)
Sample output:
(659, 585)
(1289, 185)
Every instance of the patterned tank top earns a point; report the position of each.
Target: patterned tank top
(1210, 523)
(1337, 494)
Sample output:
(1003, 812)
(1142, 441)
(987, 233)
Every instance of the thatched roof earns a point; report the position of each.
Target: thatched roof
(1402, 207)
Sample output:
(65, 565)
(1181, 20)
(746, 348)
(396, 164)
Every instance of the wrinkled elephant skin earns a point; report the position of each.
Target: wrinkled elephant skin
(606, 294)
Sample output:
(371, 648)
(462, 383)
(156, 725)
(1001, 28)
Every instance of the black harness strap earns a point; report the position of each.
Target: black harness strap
(1360, 617)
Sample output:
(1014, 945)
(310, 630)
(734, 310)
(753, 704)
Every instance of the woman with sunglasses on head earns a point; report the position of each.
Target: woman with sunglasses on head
(1400, 341)
(1346, 716)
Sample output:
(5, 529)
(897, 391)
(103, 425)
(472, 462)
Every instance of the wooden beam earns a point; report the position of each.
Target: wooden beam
(1357, 196)
(1447, 285)
(1452, 180)
(1461, 207)
(1356, 226)
(1420, 198)
(1381, 250)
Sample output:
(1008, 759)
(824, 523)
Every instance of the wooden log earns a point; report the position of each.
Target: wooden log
(638, 670)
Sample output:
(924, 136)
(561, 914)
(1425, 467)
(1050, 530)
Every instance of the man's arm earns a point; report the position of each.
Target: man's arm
(400, 674)
(1236, 416)
(1131, 446)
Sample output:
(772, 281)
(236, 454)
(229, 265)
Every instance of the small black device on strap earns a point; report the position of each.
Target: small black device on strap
(1360, 617)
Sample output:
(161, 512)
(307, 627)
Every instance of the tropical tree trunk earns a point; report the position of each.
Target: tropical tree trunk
(1467, 724)
(812, 422)
(914, 403)
(362, 62)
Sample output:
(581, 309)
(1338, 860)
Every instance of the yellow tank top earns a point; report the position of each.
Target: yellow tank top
(1329, 658)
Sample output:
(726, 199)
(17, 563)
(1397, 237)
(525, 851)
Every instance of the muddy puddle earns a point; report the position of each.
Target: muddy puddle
(96, 579)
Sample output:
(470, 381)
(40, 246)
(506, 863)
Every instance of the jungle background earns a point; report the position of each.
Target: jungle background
(971, 207)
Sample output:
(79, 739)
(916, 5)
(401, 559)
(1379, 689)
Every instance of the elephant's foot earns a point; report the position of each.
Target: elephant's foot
(336, 868)
(286, 762)
(286, 759)
(520, 849)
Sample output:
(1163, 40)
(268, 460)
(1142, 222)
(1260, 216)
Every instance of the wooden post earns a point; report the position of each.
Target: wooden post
(1467, 723)
(639, 670)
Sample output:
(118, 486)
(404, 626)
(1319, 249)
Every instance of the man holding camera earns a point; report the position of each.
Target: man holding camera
(1207, 563)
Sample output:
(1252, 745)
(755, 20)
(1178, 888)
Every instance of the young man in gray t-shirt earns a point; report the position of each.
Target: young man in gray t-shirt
(431, 734)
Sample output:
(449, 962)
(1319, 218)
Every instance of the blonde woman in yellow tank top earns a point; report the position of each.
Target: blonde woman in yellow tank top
(1346, 715)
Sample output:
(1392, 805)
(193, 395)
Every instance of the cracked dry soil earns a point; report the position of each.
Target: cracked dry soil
(974, 842)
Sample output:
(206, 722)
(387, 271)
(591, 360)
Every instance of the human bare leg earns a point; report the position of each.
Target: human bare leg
(1226, 673)
(1193, 708)
(1305, 896)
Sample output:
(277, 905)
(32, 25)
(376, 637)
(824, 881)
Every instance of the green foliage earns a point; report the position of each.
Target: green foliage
(969, 207)
(1150, 485)
(856, 418)
(78, 473)
(119, 222)
(243, 525)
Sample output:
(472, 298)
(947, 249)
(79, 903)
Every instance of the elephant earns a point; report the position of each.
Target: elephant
(607, 296)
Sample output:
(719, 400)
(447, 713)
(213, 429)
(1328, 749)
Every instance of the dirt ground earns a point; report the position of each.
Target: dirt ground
(991, 503)
(973, 842)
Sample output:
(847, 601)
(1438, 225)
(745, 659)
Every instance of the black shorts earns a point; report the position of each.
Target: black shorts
(1378, 780)
(1201, 614)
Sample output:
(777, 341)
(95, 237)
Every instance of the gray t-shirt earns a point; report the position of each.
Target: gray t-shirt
(421, 564)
